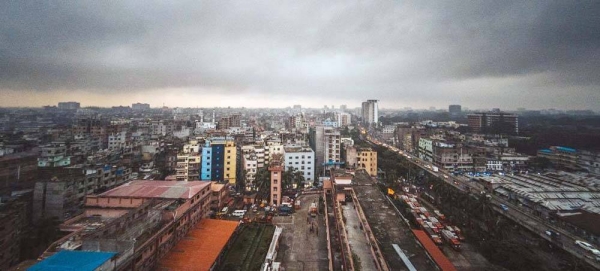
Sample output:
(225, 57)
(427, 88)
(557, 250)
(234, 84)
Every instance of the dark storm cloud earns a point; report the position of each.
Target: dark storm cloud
(412, 50)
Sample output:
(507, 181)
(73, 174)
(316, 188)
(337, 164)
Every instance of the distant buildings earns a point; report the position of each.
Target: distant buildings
(494, 122)
(370, 112)
(68, 105)
(140, 106)
(570, 158)
(454, 109)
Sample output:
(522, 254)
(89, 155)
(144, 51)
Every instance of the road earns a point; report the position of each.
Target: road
(526, 219)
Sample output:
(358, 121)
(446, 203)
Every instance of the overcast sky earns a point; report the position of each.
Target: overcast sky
(481, 54)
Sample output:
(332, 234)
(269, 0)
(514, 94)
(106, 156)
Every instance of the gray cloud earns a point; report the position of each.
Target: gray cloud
(401, 52)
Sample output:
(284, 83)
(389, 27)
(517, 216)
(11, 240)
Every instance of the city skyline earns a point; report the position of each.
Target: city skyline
(480, 54)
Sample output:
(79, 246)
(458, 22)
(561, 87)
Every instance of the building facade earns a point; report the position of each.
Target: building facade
(370, 112)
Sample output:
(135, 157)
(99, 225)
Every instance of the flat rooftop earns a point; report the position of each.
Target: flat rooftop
(199, 249)
(67, 260)
(157, 189)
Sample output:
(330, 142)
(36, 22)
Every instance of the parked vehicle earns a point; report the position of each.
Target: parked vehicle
(239, 213)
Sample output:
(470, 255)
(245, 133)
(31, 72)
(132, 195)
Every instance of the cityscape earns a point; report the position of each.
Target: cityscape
(299, 136)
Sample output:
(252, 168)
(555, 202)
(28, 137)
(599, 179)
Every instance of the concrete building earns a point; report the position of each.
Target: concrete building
(572, 158)
(68, 105)
(61, 191)
(327, 145)
(454, 110)
(188, 167)
(494, 122)
(13, 221)
(344, 119)
(276, 170)
(219, 197)
(367, 160)
(301, 159)
(140, 106)
(219, 161)
(140, 221)
(370, 112)
(54, 155)
(117, 141)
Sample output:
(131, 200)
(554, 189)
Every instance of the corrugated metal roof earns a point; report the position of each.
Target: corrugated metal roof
(67, 260)
(437, 255)
(201, 247)
(158, 189)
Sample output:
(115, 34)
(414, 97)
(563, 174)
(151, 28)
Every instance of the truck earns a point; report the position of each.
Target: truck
(313, 209)
(435, 169)
(451, 239)
(285, 210)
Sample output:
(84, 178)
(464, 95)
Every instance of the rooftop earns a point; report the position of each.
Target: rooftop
(201, 247)
(67, 260)
(157, 189)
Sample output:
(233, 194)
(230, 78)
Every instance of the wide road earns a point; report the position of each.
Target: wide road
(516, 213)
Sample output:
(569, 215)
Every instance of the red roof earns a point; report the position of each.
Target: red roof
(435, 253)
(200, 248)
(158, 189)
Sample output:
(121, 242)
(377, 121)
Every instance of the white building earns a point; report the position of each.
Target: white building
(344, 119)
(301, 159)
(370, 112)
(117, 141)
(327, 145)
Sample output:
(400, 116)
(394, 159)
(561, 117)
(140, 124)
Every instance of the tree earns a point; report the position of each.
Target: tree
(291, 178)
(262, 180)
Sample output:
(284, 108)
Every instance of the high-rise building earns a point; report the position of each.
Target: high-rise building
(494, 122)
(68, 105)
(343, 119)
(219, 161)
(370, 112)
(454, 109)
(327, 145)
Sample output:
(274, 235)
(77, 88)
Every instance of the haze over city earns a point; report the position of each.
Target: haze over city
(481, 54)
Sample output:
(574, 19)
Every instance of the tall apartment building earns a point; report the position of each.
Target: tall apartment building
(370, 112)
(68, 105)
(327, 145)
(344, 119)
(188, 167)
(219, 161)
(301, 159)
(495, 122)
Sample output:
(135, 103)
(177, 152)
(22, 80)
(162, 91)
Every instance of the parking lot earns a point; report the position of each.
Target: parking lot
(303, 243)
